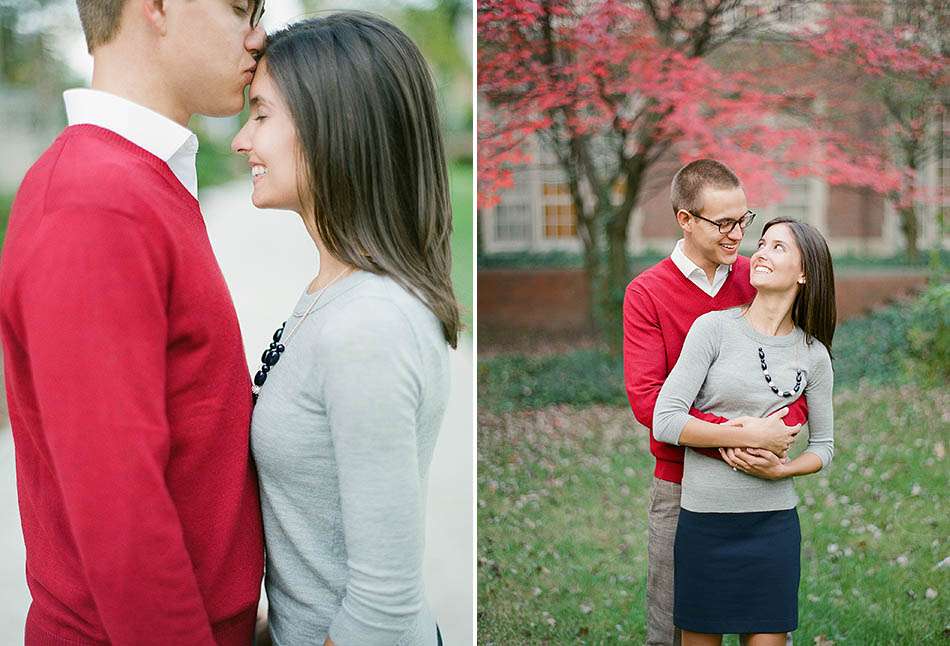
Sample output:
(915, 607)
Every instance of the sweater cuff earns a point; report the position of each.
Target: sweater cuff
(347, 630)
(824, 453)
(668, 428)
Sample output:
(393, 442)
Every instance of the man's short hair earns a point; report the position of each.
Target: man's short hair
(100, 20)
(686, 191)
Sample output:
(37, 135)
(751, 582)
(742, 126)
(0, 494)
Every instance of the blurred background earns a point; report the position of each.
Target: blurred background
(42, 53)
(835, 113)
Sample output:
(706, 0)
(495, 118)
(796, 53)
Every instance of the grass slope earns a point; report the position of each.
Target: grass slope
(562, 499)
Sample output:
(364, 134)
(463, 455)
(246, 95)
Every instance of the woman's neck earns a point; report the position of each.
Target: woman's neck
(771, 314)
(331, 267)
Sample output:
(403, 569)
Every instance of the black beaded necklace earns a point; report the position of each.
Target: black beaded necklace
(268, 360)
(272, 354)
(768, 377)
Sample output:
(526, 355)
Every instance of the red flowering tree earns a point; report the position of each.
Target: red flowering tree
(611, 87)
(900, 66)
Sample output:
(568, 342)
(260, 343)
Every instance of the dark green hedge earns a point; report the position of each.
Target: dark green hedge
(906, 342)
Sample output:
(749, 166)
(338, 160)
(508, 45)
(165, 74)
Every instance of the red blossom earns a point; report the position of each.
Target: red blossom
(601, 70)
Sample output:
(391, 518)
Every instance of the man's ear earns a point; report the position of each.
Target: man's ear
(684, 220)
(155, 15)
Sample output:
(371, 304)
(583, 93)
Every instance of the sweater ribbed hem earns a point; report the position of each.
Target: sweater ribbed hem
(669, 471)
(234, 631)
(671, 267)
(238, 630)
(346, 630)
(97, 132)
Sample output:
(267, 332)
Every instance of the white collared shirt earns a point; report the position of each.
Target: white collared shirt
(695, 273)
(174, 144)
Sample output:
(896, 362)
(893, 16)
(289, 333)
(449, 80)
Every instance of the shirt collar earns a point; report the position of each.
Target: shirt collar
(174, 144)
(688, 267)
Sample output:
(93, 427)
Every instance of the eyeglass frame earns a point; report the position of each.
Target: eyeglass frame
(748, 214)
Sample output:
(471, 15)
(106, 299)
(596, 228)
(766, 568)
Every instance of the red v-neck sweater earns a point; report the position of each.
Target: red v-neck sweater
(130, 404)
(659, 307)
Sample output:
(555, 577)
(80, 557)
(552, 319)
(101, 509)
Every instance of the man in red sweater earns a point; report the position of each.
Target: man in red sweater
(128, 391)
(704, 273)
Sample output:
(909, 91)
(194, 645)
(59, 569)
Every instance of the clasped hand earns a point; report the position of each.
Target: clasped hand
(760, 463)
(770, 440)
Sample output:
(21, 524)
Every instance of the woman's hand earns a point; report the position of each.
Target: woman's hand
(770, 433)
(760, 463)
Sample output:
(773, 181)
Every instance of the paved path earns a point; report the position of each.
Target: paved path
(14, 595)
(267, 258)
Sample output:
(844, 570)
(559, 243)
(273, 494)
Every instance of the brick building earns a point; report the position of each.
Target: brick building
(536, 214)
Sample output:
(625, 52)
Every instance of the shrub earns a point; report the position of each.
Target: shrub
(906, 342)
(581, 378)
(903, 343)
(928, 336)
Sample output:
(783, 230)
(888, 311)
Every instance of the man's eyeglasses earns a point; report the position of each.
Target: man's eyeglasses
(257, 11)
(726, 226)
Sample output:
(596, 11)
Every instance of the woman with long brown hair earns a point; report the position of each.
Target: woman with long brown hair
(737, 546)
(350, 397)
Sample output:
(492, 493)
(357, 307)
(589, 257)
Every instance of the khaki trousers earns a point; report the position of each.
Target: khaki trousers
(663, 515)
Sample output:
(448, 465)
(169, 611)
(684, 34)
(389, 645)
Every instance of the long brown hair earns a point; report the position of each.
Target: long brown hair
(363, 104)
(814, 307)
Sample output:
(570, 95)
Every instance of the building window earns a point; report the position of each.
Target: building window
(792, 15)
(772, 15)
(797, 202)
(560, 217)
(512, 223)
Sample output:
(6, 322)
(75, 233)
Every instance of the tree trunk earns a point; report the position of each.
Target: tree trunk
(616, 277)
(908, 213)
(594, 271)
(908, 216)
(617, 274)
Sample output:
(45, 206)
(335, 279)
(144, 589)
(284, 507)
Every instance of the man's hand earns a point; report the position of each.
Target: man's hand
(770, 433)
(760, 463)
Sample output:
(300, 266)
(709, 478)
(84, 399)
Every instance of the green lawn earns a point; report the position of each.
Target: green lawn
(562, 498)
(564, 474)
(460, 179)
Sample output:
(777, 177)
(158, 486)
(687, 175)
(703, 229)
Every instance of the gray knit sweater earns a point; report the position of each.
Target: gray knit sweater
(343, 435)
(719, 370)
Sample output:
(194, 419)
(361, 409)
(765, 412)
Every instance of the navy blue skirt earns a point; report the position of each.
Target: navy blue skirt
(737, 573)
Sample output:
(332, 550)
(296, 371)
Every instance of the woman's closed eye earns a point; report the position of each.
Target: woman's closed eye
(260, 117)
(241, 9)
